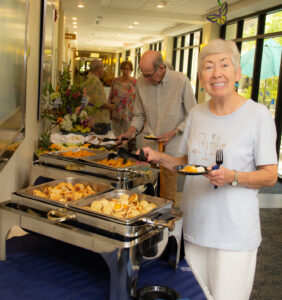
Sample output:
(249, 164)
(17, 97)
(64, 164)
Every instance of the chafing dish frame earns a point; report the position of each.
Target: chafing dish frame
(122, 257)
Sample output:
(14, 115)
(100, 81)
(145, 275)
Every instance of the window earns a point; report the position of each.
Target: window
(273, 22)
(247, 63)
(185, 55)
(250, 27)
(259, 38)
(137, 60)
(157, 46)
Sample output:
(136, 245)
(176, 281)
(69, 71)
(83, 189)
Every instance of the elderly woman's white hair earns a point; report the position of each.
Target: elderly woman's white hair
(95, 64)
(219, 46)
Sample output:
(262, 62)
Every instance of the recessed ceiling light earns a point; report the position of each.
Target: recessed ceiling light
(161, 4)
(80, 5)
(135, 23)
(74, 23)
(75, 32)
(74, 26)
(74, 18)
(130, 26)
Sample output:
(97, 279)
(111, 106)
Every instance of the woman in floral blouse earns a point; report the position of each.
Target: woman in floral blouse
(122, 95)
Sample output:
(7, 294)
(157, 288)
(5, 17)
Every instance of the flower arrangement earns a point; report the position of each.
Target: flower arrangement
(67, 106)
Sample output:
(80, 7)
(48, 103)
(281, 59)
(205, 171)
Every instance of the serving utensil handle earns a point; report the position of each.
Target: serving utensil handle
(60, 215)
(170, 225)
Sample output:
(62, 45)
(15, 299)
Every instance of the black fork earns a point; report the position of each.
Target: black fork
(218, 160)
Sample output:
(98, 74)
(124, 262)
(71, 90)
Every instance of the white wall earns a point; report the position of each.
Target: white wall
(15, 174)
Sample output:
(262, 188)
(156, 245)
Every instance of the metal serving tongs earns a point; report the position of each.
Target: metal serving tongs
(113, 139)
(124, 153)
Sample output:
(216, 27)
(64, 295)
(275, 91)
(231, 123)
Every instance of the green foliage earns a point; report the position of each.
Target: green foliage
(44, 141)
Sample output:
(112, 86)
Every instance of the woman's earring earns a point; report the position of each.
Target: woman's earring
(236, 84)
(202, 89)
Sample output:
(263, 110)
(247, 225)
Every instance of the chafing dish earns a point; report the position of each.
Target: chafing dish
(122, 243)
(162, 205)
(126, 178)
(97, 187)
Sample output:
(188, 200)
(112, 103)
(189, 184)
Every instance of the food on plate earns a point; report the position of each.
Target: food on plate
(76, 154)
(151, 136)
(124, 207)
(116, 162)
(65, 191)
(192, 169)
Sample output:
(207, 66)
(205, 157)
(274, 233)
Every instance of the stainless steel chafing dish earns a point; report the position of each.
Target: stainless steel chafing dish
(123, 243)
(126, 177)
(97, 187)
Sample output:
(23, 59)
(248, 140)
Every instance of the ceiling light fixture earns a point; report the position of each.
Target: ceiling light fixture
(80, 5)
(161, 4)
(74, 23)
(74, 18)
(130, 26)
(135, 23)
(74, 26)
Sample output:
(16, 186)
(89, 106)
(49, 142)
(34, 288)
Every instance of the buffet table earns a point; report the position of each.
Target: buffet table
(39, 267)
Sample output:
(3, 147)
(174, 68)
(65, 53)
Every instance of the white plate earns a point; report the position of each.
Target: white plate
(57, 138)
(74, 138)
(93, 139)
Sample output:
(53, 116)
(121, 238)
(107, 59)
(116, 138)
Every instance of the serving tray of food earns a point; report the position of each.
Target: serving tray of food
(104, 160)
(64, 191)
(75, 153)
(124, 206)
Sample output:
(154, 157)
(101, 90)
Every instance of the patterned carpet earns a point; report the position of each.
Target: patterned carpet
(268, 278)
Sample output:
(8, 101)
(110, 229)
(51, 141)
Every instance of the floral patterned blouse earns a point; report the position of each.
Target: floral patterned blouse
(122, 94)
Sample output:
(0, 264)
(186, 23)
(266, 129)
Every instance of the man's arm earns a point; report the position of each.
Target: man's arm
(188, 101)
(139, 115)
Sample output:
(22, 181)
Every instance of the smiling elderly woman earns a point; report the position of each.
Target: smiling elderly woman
(221, 226)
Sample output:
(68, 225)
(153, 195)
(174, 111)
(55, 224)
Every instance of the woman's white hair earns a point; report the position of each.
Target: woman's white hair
(219, 46)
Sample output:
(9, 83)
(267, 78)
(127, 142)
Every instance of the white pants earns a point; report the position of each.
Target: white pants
(223, 275)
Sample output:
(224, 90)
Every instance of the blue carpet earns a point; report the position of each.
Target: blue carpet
(38, 267)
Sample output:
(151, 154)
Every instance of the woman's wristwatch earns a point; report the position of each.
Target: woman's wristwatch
(235, 179)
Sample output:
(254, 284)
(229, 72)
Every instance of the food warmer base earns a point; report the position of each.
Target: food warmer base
(123, 255)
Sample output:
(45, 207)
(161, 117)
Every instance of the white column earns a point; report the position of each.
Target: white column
(167, 52)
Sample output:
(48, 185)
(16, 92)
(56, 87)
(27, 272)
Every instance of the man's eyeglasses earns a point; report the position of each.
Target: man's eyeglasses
(147, 75)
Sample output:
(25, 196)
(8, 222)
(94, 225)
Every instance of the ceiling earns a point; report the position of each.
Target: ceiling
(108, 25)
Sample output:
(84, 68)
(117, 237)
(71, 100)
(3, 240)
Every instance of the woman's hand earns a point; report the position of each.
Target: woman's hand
(220, 176)
(151, 155)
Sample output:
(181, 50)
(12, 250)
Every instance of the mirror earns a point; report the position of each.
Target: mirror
(13, 37)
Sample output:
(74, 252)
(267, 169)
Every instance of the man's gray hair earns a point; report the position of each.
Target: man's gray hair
(158, 61)
(95, 64)
(219, 46)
